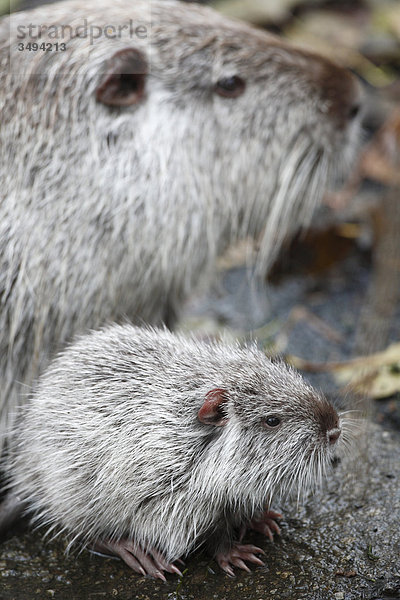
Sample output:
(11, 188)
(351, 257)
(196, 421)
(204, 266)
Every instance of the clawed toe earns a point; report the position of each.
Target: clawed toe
(272, 514)
(237, 562)
(145, 562)
(225, 567)
(236, 556)
(267, 524)
(273, 525)
(247, 549)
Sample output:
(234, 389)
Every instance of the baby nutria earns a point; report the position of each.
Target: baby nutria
(132, 153)
(153, 444)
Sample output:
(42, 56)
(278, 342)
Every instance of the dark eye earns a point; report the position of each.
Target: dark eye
(230, 87)
(271, 422)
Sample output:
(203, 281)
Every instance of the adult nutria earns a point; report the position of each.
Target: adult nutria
(153, 444)
(138, 139)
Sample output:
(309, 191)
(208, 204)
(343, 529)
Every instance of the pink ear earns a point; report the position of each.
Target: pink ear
(123, 83)
(211, 411)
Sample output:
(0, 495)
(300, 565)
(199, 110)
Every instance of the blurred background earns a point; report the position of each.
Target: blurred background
(330, 306)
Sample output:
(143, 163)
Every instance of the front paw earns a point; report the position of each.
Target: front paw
(145, 561)
(236, 555)
(266, 524)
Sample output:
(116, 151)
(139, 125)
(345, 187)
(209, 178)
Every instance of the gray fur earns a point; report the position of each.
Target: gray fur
(110, 445)
(107, 213)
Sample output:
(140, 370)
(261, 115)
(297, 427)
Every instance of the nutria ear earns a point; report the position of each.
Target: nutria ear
(211, 411)
(124, 80)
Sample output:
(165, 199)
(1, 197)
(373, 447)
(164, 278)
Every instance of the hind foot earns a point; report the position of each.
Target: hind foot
(236, 556)
(145, 562)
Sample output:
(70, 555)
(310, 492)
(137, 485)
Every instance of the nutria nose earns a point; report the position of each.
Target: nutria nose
(342, 95)
(333, 435)
(340, 91)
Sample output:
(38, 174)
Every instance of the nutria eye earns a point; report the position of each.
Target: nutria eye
(271, 422)
(230, 87)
